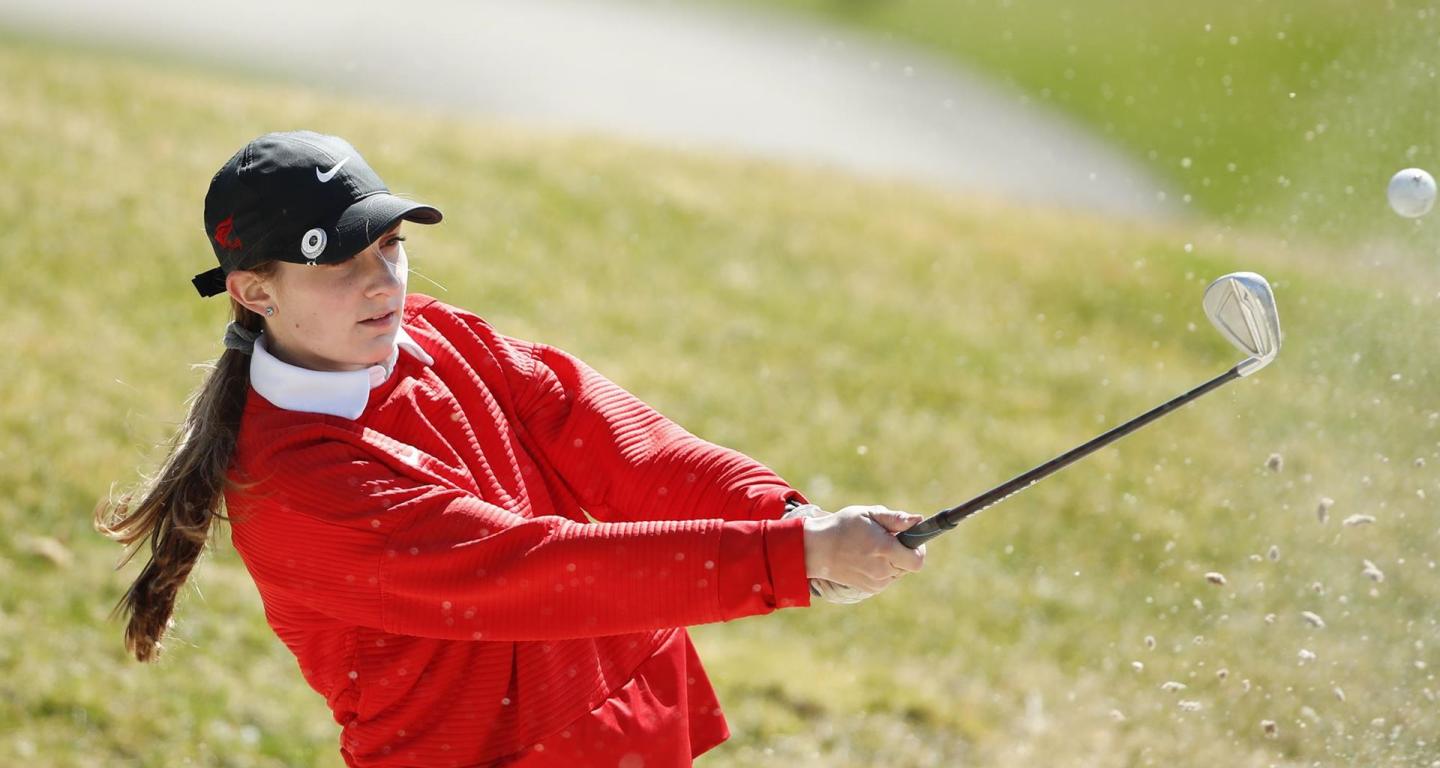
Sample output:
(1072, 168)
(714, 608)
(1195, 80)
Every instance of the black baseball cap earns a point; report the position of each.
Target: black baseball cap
(297, 196)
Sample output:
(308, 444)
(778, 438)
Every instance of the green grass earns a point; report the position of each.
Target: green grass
(873, 343)
(1287, 114)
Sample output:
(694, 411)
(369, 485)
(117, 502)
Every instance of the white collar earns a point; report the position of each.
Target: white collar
(336, 393)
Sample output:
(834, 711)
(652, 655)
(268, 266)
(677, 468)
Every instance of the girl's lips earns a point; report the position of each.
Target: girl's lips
(381, 321)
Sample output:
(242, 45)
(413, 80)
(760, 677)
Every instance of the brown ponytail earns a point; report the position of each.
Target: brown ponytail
(177, 506)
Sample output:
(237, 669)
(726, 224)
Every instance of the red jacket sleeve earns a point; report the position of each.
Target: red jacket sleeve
(355, 539)
(625, 461)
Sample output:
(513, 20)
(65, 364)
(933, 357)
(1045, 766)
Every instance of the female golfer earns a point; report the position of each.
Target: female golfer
(479, 550)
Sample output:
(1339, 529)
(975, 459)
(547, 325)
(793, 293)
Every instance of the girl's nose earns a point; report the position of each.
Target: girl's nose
(383, 272)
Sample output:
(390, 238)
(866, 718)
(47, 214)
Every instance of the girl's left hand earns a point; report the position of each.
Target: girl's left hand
(832, 591)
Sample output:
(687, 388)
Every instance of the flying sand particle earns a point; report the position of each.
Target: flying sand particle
(1214, 577)
(1322, 511)
(1171, 686)
(1269, 728)
(1275, 463)
(1375, 574)
(1273, 554)
(1313, 619)
(1359, 520)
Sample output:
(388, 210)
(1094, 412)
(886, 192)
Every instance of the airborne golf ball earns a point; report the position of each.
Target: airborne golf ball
(1411, 192)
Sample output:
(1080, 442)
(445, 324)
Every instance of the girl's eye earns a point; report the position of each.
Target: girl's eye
(390, 243)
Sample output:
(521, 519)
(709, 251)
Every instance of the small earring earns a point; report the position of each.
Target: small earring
(269, 311)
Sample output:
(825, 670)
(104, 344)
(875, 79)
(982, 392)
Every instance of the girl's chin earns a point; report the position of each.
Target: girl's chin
(378, 349)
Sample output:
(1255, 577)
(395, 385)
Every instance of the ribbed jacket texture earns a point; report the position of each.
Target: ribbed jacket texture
(434, 570)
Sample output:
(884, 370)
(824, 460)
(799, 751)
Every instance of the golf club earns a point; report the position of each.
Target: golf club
(1240, 304)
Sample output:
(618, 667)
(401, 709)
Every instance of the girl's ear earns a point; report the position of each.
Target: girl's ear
(250, 290)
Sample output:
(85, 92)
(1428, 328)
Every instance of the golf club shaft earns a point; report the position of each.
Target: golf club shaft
(949, 518)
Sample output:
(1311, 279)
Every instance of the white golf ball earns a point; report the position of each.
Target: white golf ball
(1411, 192)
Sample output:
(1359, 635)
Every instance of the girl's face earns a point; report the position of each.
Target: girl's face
(339, 317)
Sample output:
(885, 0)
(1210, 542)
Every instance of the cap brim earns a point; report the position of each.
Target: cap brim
(365, 221)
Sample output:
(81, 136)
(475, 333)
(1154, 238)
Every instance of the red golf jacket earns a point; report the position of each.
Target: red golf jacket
(432, 566)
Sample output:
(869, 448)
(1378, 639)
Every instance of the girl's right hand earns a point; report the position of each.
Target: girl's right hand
(857, 547)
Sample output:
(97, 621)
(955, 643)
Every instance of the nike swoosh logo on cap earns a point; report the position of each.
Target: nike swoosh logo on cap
(330, 174)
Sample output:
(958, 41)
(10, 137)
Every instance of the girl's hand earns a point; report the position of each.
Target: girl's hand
(856, 547)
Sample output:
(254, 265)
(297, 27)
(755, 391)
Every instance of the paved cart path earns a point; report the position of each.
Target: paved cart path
(679, 74)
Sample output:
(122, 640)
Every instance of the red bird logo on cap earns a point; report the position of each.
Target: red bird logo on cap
(224, 236)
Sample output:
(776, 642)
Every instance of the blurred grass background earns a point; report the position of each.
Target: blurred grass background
(1285, 114)
(873, 343)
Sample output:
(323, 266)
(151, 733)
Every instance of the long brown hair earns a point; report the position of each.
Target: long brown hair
(177, 506)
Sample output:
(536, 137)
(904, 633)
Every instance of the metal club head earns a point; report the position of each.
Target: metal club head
(1242, 306)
